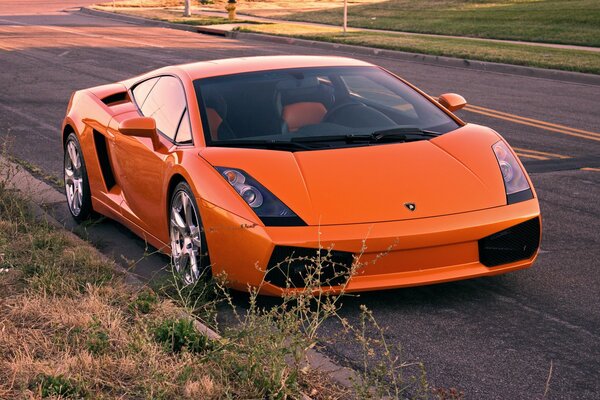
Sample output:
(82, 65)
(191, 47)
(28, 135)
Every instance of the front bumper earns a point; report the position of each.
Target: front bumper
(391, 254)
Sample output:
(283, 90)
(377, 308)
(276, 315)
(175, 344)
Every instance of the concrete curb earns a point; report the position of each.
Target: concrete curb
(41, 194)
(532, 72)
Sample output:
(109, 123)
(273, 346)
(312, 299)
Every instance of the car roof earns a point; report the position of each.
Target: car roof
(230, 66)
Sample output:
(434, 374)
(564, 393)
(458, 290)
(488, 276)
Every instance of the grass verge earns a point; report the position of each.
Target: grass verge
(551, 21)
(71, 328)
(509, 53)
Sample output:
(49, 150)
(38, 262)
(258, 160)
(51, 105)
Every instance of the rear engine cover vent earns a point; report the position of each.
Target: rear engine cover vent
(117, 98)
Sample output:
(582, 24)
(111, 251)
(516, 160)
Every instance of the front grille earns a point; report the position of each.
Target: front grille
(518, 242)
(295, 266)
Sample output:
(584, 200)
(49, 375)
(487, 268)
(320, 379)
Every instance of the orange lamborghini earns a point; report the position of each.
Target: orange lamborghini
(238, 165)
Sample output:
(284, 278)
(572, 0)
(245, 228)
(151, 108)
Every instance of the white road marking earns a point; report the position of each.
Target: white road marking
(36, 121)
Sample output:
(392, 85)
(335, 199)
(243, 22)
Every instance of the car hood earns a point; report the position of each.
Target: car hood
(450, 174)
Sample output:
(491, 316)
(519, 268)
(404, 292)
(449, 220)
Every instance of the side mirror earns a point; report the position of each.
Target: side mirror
(140, 127)
(452, 101)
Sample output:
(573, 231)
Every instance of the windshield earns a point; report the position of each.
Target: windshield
(315, 108)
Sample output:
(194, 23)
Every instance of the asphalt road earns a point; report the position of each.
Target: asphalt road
(493, 338)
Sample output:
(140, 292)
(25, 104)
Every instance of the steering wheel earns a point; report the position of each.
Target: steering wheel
(357, 115)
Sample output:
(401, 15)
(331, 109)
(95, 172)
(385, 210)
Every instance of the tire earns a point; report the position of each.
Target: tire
(189, 251)
(77, 184)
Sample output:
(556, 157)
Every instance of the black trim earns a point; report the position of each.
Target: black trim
(519, 242)
(104, 160)
(116, 98)
(283, 221)
(291, 266)
(523, 195)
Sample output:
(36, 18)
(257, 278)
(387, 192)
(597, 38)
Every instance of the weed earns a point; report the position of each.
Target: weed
(179, 335)
(57, 386)
(144, 302)
(98, 340)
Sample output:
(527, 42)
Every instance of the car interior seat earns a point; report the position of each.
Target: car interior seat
(302, 102)
(216, 113)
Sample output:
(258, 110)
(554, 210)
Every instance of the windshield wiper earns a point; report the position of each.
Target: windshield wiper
(266, 144)
(329, 138)
(398, 133)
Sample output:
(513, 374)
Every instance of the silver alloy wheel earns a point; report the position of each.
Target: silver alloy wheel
(186, 239)
(73, 178)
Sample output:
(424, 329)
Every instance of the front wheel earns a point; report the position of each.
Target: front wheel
(189, 252)
(77, 185)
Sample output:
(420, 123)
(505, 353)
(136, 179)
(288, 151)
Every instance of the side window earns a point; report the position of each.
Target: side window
(184, 133)
(140, 92)
(370, 90)
(165, 103)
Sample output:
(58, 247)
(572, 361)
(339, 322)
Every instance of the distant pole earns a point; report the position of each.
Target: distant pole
(186, 10)
(345, 15)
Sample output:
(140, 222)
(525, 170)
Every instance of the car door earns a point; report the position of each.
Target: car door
(142, 166)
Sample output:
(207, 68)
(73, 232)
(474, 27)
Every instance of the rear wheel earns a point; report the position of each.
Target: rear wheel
(188, 245)
(77, 185)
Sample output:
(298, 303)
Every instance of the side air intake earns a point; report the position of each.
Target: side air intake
(103, 158)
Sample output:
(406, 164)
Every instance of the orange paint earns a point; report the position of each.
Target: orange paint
(458, 192)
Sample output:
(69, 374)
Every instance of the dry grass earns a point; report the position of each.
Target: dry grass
(283, 8)
(66, 317)
(71, 328)
(262, 8)
(55, 336)
(167, 14)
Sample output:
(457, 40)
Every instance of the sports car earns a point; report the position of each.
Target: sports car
(242, 166)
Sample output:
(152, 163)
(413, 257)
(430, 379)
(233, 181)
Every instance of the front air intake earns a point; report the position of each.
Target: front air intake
(519, 242)
(296, 267)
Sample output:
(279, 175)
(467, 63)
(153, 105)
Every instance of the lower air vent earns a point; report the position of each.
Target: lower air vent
(294, 266)
(518, 242)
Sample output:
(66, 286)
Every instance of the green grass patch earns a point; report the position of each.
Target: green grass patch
(144, 302)
(509, 53)
(57, 386)
(551, 21)
(179, 335)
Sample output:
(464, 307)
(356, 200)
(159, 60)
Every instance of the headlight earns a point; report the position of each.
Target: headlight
(515, 183)
(267, 207)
